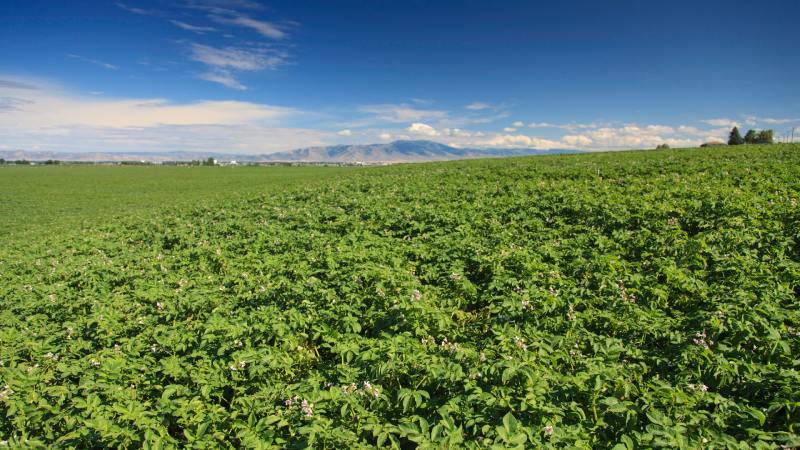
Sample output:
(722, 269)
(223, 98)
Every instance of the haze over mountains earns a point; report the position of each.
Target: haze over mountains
(394, 152)
(397, 152)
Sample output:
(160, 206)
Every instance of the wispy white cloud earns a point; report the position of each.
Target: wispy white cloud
(688, 129)
(11, 84)
(53, 107)
(135, 10)
(244, 55)
(262, 27)
(659, 129)
(473, 119)
(755, 120)
(477, 106)
(238, 13)
(399, 113)
(12, 103)
(96, 62)
(193, 28)
(223, 63)
(223, 60)
(509, 129)
(154, 66)
(237, 58)
(771, 121)
(223, 77)
(571, 127)
(721, 122)
(518, 124)
(345, 133)
(225, 5)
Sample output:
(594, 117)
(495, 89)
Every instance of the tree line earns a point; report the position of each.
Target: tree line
(751, 137)
(25, 162)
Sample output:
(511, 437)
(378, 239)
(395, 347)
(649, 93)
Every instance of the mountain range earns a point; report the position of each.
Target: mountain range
(394, 152)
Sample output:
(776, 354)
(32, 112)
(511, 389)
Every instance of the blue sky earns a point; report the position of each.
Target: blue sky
(247, 76)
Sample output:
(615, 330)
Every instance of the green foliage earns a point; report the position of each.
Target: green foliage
(734, 138)
(45, 200)
(759, 137)
(618, 301)
(765, 137)
(662, 147)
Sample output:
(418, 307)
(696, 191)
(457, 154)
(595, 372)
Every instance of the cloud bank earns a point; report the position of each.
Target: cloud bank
(39, 115)
(47, 117)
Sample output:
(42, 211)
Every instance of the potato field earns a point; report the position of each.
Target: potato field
(623, 300)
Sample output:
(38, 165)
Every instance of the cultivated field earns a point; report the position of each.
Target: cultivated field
(620, 300)
(33, 199)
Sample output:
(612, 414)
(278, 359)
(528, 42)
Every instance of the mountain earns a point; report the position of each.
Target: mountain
(397, 152)
(394, 152)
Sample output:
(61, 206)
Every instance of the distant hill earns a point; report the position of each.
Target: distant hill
(397, 152)
(393, 152)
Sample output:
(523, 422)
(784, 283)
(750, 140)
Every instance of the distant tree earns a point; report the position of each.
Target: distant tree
(662, 146)
(52, 162)
(22, 162)
(750, 137)
(765, 137)
(735, 138)
(2, 161)
(210, 162)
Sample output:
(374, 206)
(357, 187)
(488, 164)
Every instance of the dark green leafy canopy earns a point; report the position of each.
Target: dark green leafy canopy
(765, 137)
(734, 138)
